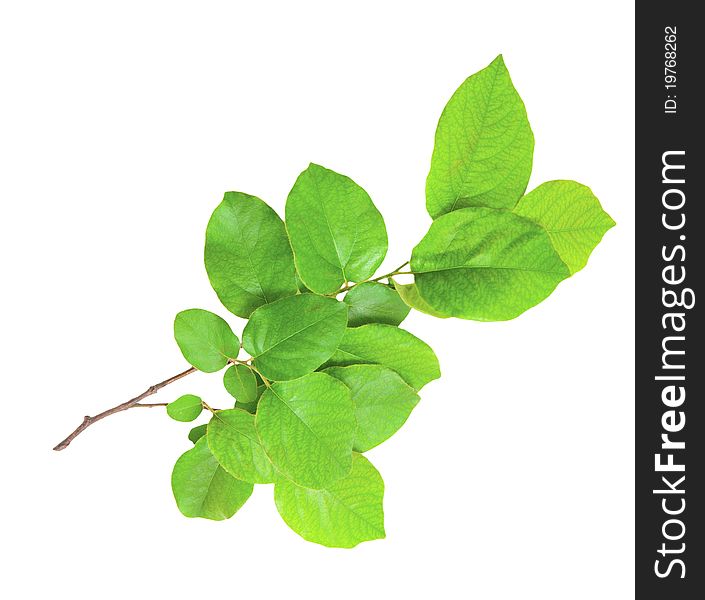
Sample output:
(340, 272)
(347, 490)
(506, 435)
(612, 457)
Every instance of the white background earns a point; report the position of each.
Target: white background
(121, 126)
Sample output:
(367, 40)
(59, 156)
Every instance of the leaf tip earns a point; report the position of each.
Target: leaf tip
(312, 166)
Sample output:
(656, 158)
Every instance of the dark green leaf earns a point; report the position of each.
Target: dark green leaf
(250, 407)
(197, 432)
(248, 257)
(374, 303)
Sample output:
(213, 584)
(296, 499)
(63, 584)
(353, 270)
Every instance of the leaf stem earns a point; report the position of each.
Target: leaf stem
(397, 271)
(88, 421)
(208, 408)
(264, 379)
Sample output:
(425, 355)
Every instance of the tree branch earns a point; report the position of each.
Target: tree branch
(88, 421)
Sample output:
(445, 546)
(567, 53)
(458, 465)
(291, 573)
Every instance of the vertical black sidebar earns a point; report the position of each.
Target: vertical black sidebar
(670, 260)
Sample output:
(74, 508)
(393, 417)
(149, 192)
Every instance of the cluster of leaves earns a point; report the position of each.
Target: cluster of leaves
(329, 374)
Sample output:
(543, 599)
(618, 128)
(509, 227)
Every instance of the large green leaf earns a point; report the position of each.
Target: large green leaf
(382, 399)
(241, 384)
(486, 264)
(233, 440)
(374, 303)
(205, 340)
(571, 214)
(202, 488)
(392, 347)
(484, 145)
(306, 427)
(247, 255)
(409, 293)
(336, 232)
(186, 408)
(343, 514)
(295, 335)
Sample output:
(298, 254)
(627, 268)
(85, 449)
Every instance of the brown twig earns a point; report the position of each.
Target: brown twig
(88, 421)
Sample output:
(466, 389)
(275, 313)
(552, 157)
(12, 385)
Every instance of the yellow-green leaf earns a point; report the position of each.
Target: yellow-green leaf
(572, 216)
(341, 515)
(202, 488)
(484, 146)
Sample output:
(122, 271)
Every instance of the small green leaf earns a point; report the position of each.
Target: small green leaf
(336, 232)
(248, 257)
(342, 515)
(186, 408)
(306, 427)
(197, 432)
(205, 340)
(382, 399)
(232, 438)
(374, 303)
(241, 384)
(202, 488)
(485, 264)
(295, 335)
(250, 407)
(484, 146)
(392, 347)
(571, 214)
(409, 293)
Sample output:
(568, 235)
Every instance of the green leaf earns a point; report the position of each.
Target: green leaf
(374, 303)
(306, 427)
(295, 335)
(202, 488)
(186, 408)
(205, 340)
(382, 399)
(250, 407)
(241, 384)
(572, 216)
(342, 515)
(197, 432)
(485, 264)
(336, 232)
(409, 293)
(233, 440)
(389, 346)
(301, 286)
(248, 257)
(484, 146)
